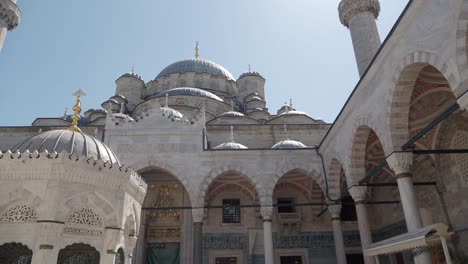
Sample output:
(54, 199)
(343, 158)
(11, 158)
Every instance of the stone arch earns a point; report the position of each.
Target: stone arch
(94, 201)
(404, 80)
(334, 178)
(462, 48)
(215, 173)
(148, 165)
(306, 169)
(78, 253)
(15, 253)
(357, 161)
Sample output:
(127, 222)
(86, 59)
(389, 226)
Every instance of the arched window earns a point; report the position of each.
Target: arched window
(84, 222)
(78, 254)
(15, 253)
(20, 213)
(119, 257)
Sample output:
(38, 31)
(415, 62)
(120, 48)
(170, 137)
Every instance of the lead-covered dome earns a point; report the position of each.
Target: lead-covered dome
(71, 142)
(187, 91)
(230, 145)
(289, 144)
(198, 66)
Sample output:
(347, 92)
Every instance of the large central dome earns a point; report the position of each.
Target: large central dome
(198, 66)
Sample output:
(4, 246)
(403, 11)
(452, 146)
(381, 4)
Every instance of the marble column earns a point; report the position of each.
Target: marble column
(267, 212)
(197, 215)
(400, 163)
(359, 194)
(112, 238)
(335, 211)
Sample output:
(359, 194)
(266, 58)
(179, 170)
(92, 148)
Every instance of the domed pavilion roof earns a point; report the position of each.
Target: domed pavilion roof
(198, 66)
(72, 142)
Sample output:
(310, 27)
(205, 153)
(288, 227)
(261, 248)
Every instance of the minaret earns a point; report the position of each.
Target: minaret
(10, 16)
(359, 16)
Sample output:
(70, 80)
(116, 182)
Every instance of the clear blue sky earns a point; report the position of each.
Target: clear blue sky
(298, 45)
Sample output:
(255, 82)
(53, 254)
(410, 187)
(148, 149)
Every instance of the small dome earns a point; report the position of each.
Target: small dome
(231, 114)
(198, 66)
(231, 145)
(289, 144)
(255, 74)
(123, 116)
(188, 91)
(294, 112)
(171, 113)
(76, 143)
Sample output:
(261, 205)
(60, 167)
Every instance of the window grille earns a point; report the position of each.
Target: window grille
(285, 205)
(291, 260)
(231, 211)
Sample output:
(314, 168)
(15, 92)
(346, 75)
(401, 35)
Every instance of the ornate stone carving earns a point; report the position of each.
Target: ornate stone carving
(266, 212)
(358, 193)
(10, 14)
(83, 231)
(84, 216)
(400, 162)
(349, 8)
(335, 210)
(20, 213)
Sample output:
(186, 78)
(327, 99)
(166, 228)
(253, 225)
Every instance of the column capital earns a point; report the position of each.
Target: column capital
(198, 214)
(400, 162)
(349, 8)
(463, 101)
(358, 193)
(335, 211)
(266, 211)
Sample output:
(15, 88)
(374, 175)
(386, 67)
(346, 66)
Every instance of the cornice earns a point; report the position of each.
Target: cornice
(349, 8)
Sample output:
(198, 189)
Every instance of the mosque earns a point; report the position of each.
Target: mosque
(192, 167)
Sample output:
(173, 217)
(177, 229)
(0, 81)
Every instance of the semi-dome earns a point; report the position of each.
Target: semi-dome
(188, 91)
(71, 142)
(171, 113)
(198, 66)
(230, 145)
(289, 144)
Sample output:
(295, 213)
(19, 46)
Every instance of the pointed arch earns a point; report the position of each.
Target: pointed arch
(462, 48)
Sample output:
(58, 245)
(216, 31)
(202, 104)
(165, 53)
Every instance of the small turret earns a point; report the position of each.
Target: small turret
(132, 87)
(249, 83)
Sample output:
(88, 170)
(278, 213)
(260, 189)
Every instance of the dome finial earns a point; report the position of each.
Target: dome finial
(197, 50)
(77, 110)
(290, 102)
(166, 102)
(249, 68)
(65, 113)
(133, 69)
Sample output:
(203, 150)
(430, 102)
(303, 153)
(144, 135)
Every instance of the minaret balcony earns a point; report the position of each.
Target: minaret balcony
(10, 14)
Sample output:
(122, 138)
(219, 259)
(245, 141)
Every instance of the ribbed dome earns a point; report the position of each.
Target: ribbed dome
(231, 145)
(289, 144)
(196, 65)
(231, 114)
(171, 113)
(68, 141)
(255, 74)
(189, 91)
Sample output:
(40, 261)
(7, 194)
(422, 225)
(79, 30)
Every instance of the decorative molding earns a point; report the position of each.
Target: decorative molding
(266, 212)
(350, 8)
(10, 14)
(400, 162)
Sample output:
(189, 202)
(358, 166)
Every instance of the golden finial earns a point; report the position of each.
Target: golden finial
(77, 110)
(197, 50)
